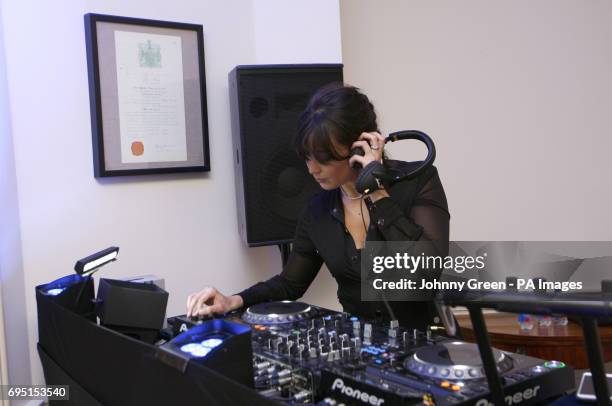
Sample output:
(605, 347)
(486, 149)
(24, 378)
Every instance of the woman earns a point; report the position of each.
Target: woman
(336, 223)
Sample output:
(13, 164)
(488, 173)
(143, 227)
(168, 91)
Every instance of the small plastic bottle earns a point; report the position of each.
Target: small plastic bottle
(544, 320)
(559, 319)
(526, 322)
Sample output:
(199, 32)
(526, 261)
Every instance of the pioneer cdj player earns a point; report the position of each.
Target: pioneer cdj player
(303, 354)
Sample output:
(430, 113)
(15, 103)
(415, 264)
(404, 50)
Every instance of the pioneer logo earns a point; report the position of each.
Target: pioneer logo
(365, 397)
(515, 399)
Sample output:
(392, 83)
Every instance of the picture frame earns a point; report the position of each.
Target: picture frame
(147, 92)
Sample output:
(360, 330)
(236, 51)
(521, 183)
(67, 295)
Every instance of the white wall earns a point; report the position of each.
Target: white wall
(517, 95)
(13, 301)
(297, 32)
(180, 227)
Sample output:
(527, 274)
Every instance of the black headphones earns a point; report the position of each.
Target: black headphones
(374, 174)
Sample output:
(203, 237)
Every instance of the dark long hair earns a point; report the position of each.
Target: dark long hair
(336, 113)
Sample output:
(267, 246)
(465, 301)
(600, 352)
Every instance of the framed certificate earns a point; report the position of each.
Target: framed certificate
(147, 94)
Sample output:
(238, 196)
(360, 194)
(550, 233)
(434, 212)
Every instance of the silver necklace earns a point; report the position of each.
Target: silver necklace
(352, 212)
(358, 196)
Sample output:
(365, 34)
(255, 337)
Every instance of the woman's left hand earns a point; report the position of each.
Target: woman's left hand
(372, 144)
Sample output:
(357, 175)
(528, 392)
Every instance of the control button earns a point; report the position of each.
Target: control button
(431, 370)
(538, 369)
(380, 222)
(459, 373)
(445, 372)
(445, 384)
(456, 388)
(473, 372)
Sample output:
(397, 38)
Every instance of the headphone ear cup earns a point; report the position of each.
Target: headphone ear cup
(367, 181)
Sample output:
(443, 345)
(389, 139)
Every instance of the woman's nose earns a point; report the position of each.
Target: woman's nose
(313, 167)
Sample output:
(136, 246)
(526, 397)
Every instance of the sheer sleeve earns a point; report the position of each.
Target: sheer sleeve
(424, 218)
(427, 219)
(302, 267)
(430, 210)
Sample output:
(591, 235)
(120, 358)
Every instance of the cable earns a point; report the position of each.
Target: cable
(365, 228)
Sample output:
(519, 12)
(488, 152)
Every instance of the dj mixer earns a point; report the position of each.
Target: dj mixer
(303, 354)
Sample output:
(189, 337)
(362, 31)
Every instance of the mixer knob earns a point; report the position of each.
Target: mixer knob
(312, 352)
(394, 324)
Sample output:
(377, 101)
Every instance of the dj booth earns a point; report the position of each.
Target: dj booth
(104, 367)
(273, 353)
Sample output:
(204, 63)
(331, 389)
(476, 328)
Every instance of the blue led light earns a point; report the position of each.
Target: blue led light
(189, 347)
(200, 351)
(212, 342)
(354, 318)
(327, 317)
(197, 350)
(54, 292)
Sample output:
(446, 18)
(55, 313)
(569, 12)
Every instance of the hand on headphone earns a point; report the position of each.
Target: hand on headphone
(372, 144)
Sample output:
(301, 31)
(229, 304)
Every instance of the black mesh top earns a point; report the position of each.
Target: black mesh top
(416, 210)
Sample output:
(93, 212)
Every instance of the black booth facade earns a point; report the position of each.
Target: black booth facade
(104, 367)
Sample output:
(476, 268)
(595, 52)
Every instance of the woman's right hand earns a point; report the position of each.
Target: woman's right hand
(209, 300)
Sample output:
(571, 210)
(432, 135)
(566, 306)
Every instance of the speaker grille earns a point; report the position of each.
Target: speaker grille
(273, 184)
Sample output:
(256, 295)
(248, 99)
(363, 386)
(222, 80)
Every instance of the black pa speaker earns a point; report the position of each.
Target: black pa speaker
(272, 183)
